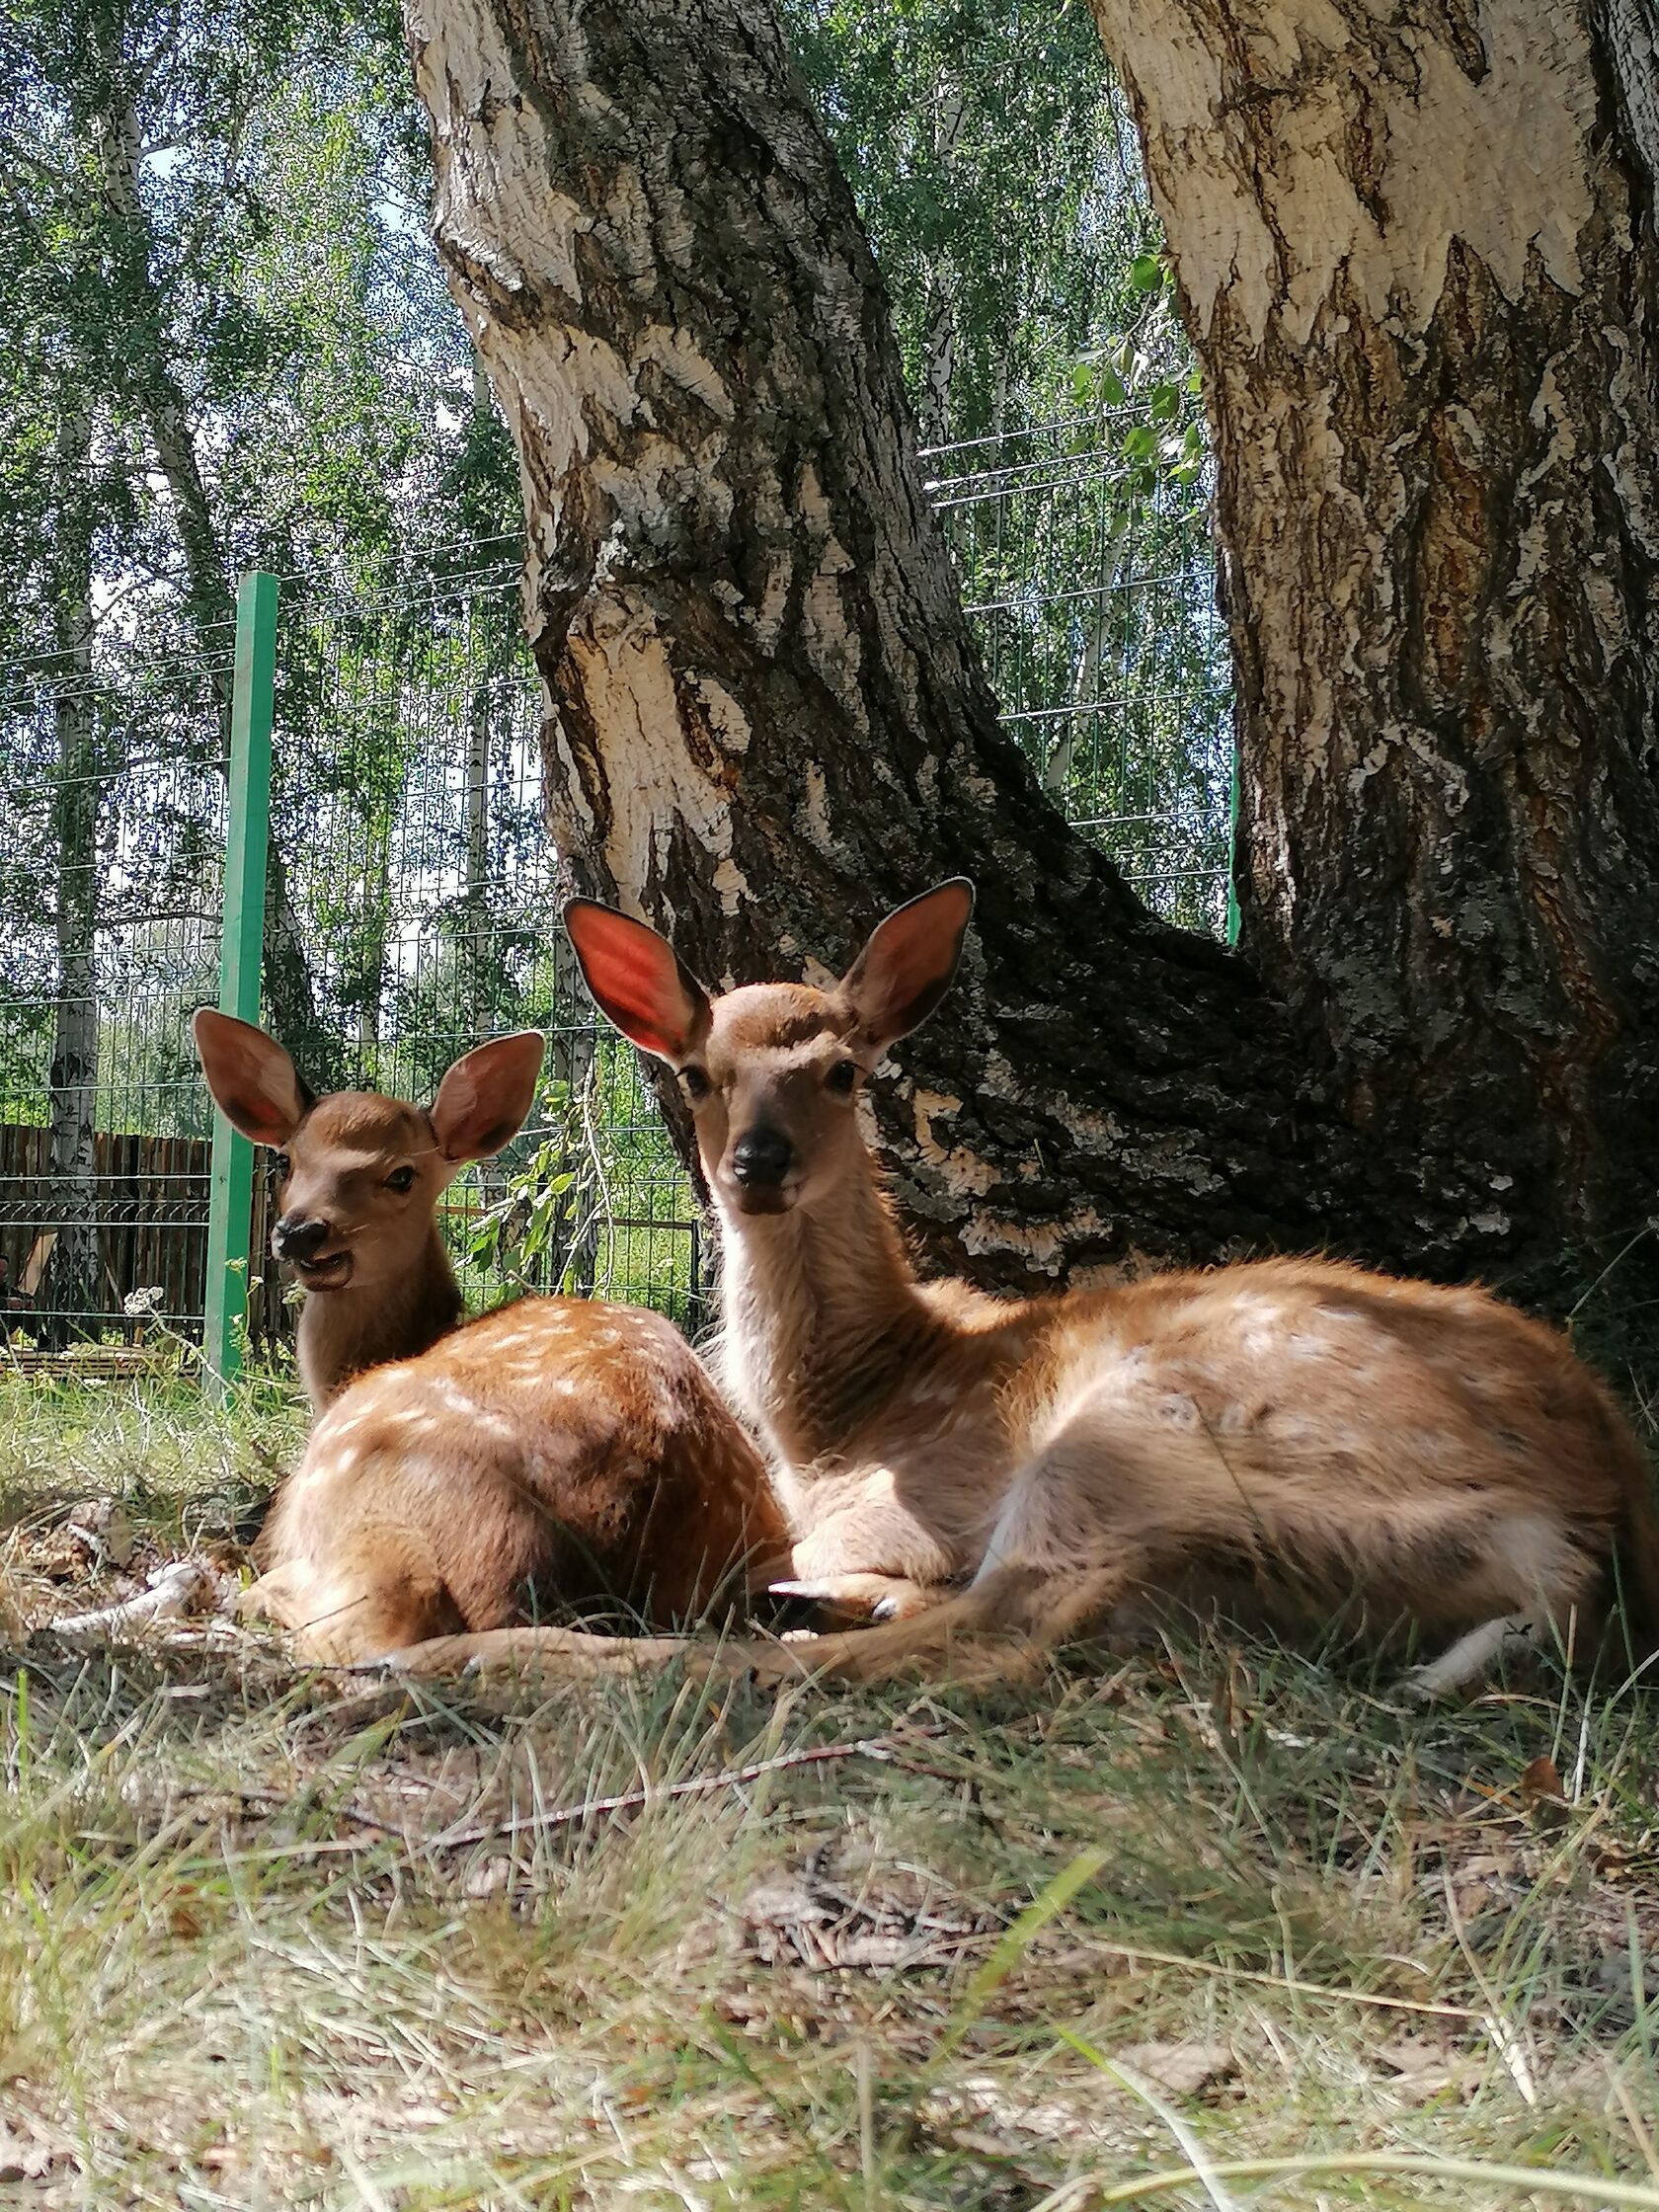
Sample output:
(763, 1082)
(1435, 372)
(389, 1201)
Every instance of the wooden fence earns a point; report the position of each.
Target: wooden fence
(150, 1205)
(150, 1208)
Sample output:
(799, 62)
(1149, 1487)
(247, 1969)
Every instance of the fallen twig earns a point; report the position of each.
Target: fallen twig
(695, 1785)
(1087, 2194)
(174, 1591)
(873, 1748)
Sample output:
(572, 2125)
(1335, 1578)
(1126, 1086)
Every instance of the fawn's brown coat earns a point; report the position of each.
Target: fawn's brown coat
(555, 1455)
(1342, 1444)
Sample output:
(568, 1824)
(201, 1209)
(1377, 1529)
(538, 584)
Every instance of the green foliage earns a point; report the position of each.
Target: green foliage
(520, 1226)
(1142, 381)
(593, 1198)
(224, 342)
(221, 209)
(995, 168)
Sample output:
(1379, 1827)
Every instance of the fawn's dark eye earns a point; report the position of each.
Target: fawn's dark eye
(698, 1084)
(841, 1078)
(282, 1167)
(401, 1179)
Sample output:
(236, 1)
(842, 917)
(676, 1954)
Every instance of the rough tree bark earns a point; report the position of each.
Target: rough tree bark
(766, 717)
(1416, 246)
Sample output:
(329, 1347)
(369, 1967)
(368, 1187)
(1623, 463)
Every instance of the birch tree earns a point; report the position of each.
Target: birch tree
(1417, 253)
(70, 1282)
(768, 715)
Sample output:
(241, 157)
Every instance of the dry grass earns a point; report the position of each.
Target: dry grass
(1221, 1929)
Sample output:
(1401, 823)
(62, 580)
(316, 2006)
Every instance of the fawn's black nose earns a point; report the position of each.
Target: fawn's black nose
(296, 1238)
(760, 1161)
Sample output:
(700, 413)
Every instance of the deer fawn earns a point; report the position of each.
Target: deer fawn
(359, 1180)
(1338, 1442)
(557, 1453)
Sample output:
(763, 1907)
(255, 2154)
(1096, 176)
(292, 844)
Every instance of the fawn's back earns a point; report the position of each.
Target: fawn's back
(556, 1456)
(552, 1455)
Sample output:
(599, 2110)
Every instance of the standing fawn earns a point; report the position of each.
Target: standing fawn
(1341, 1444)
(555, 1454)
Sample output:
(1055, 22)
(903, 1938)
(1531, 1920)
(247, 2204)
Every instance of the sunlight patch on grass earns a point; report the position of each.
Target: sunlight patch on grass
(270, 1935)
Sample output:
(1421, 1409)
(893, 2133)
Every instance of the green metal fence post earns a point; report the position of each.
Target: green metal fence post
(1233, 917)
(241, 955)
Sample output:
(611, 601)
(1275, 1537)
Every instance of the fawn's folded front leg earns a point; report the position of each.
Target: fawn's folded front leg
(867, 1597)
(1001, 1629)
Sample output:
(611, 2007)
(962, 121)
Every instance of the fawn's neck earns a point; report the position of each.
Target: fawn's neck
(822, 1319)
(342, 1332)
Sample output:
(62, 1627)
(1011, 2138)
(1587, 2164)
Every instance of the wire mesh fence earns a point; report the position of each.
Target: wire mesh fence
(415, 915)
(113, 773)
(1095, 603)
(412, 892)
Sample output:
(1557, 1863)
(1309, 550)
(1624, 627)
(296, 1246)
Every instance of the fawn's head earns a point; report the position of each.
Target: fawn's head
(359, 1174)
(770, 1072)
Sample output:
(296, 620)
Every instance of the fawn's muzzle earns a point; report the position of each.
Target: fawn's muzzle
(761, 1159)
(296, 1238)
(298, 1242)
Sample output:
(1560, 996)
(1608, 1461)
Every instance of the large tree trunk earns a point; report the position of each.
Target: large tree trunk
(1417, 253)
(767, 718)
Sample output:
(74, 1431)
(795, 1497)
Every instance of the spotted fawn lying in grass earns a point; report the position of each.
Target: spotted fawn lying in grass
(556, 1453)
(1341, 1445)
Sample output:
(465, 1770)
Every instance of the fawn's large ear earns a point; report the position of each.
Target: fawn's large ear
(254, 1082)
(639, 980)
(905, 967)
(485, 1099)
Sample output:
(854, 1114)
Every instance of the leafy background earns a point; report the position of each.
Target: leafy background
(227, 344)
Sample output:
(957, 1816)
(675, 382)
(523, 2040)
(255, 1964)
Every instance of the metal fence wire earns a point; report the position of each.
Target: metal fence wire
(1095, 603)
(411, 884)
(112, 789)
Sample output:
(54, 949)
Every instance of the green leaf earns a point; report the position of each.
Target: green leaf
(1011, 1945)
(1145, 272)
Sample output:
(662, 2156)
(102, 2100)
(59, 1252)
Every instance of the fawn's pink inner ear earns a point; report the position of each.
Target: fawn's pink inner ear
(637, 980)
(485, 1099)
(251, 1077)
(907, 967)
(251, 1108)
